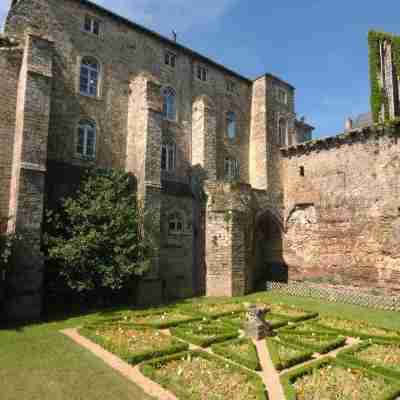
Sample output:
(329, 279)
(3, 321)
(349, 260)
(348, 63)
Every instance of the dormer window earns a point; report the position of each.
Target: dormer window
(170, 59)
(91, 25)
(202, 73)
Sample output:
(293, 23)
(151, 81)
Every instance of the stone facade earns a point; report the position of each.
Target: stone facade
(220, 188)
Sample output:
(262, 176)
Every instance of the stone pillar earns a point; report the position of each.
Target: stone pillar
(28, 178)
(204, 136)
(143, 159)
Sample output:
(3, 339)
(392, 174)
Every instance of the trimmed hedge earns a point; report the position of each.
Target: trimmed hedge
(289, 378)
(273, 344)
(196, 310)
(205, 333)
(126, 354)
(149, 370)
(334, 341)
(350, 354)
(227, 350)
(354, 333)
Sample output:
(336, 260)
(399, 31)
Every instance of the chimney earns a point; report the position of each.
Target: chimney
(349, 124)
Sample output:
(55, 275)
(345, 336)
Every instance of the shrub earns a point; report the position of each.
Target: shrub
(96, 242)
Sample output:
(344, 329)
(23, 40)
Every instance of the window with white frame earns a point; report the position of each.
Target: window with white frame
(281, 95)
(176, 224)
(202, 73)
(89, 77)
(170, 59)
(282, 131)
(231, 124)
(91, 25)
(86, 141)
(169, 104)
(232, 169)
(168, 156)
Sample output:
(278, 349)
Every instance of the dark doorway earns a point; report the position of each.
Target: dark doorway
(269, 264)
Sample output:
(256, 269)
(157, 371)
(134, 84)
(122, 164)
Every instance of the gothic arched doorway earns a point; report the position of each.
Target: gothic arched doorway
(269, 264)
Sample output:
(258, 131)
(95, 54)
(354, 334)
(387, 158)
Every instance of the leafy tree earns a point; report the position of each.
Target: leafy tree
(96, 240)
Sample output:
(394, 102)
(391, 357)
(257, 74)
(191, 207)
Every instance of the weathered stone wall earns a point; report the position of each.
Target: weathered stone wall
(343, 215)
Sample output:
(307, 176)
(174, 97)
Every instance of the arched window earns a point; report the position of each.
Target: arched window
(282, 132)
(89, 76)
(86, 141)
(168, 156)
(232, 169)
(169, 106)
(176, 224)
(231, 124)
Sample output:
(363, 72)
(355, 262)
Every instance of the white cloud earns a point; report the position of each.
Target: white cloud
(166, 15)
(4, 5)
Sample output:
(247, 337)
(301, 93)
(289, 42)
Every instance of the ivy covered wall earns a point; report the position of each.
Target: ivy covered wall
(379, 96)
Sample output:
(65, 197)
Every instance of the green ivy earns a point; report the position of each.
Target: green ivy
(378, 95)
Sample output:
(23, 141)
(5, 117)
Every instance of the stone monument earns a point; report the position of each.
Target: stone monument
(256, 326)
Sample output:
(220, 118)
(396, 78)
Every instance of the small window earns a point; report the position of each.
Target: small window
(302, 172)
(169, 105)
(230, 86)
(231, 124)
(170, 59)
(202, 73)
(282, 132)
(168, 158)
(175, 224)
(91, 25)
(86, 141)
(89, 77)
(232, 169)
(281, 95)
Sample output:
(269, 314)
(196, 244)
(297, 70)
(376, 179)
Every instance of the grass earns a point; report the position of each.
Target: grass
(39, 363)
(131, 343)
(202, 376)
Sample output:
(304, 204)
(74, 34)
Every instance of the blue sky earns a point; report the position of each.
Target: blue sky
(319, 46)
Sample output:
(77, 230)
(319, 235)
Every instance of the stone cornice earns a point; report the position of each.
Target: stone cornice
(353, 136)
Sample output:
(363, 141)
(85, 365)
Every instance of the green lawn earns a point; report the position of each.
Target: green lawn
(39, 363)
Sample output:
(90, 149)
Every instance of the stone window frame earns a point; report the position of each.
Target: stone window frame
(231, 169)
(168, 150)
(83, 156)
(281, 95)
(282, 136)
(80, 58)
(204, 75)
(229, 121)
(93, 20)
(176, 217)
(168, 56)
(230, 86)
(167, 92)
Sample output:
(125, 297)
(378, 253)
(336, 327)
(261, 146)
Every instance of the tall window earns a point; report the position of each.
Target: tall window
(202, 73)
(282, 132)
(231, 124)
(86, 143)
(281, 95)
(170, 59)
(169, 107)
(89, 76)
(232, 169)
(168, 158)
(175, 224)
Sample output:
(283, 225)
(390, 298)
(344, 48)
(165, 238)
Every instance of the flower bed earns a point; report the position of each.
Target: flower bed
(330, 379)
(213, 310)
(133, 344)
(205, 333)
(318, 342)
(307, 326)
(238, 320)
(379, 357)
(357, 329)
(286, 355)
(202, 376)
(241, 351)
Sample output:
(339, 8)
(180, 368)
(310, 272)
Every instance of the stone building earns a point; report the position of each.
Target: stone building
(219, 158)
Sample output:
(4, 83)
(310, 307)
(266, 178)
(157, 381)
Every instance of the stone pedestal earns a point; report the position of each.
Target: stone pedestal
(256, 327)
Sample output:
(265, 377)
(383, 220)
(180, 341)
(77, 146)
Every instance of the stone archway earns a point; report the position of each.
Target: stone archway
(269, 264)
